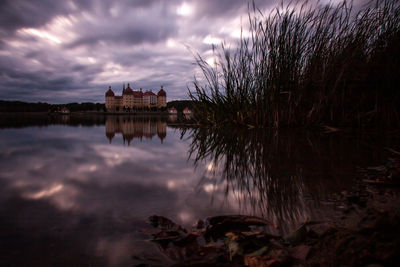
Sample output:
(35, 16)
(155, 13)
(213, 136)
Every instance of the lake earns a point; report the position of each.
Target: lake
(78, 189)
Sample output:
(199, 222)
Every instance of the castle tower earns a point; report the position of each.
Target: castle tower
(161, 98)
(127, 98)
(110, 105)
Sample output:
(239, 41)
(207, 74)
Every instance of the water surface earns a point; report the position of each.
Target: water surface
(78, 189)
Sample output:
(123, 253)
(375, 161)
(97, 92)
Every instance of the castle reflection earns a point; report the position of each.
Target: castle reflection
(132, 127)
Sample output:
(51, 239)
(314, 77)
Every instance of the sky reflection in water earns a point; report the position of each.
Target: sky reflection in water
(93, 194)
(81, 193)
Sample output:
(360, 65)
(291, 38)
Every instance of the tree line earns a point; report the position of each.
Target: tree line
(19, 106)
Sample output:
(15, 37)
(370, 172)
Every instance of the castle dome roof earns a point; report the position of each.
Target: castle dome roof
(162, 92)
(109, 92)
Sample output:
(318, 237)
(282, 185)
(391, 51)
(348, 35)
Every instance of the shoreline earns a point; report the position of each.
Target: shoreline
(360, 231)
(89, 113)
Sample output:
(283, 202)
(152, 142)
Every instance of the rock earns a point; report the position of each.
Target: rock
(240, 219)
(199, 225)
(297, 236)
(300, 252)
(319, 230)
(165, 223)
(220, 225)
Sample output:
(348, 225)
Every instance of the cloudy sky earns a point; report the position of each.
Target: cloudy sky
(64, 51)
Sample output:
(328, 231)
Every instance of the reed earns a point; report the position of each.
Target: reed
(306, 65)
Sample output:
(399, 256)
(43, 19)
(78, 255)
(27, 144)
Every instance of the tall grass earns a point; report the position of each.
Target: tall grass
(307, 65)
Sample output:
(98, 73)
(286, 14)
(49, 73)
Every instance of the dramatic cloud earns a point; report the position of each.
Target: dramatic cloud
(64, 51)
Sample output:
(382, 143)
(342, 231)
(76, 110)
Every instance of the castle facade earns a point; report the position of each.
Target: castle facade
(133, 100)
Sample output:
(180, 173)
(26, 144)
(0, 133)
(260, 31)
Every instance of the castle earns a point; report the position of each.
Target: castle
(134, 100)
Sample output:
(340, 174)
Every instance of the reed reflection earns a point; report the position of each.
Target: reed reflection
(281, 176)
(134, 127)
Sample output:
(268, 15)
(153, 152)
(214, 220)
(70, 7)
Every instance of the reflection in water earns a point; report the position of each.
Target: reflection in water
(136, 127)
(16, 120)
(188, 116)
(172, 118)
(242, 164)
(67, 196)
(277, 175)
